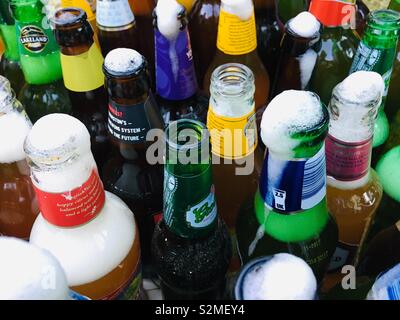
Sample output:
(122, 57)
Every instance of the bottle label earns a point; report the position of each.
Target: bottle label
(232, 138)
(83, 4)
(347, 161)
(75, 207)
(175, 74)
(393, 290)
(83, 72)
(189, 203)
(129, 124)
(290, 186)
(236, 36)
(344, 254)
(34, 40)
(333, 13)
(113, 14)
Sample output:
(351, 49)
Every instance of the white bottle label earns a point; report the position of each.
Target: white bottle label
(114, 13)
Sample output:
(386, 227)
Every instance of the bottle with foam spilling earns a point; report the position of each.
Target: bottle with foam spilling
(354, 191)
(289, 212)
(92, 233)
(18, 204)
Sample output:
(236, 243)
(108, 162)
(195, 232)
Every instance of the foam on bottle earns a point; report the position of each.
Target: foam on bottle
(25, 268)
(355, 102)
(123, 60)
(283, 277)
(167, 18)
(304, 25)
(241, 8)
(307, 63)
(289, 113)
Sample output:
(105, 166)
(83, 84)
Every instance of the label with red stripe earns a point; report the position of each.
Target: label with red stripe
(333, 13)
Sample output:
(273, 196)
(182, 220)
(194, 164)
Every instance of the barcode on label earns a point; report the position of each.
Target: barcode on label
(394, 291)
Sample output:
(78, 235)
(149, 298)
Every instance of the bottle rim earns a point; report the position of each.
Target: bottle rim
(384, 19)
(73, 15)
(134, 72)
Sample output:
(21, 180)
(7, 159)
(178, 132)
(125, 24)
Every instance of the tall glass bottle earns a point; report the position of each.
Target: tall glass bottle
(92, 233)
(18, 204)
(10, 66)
(44, 92)
(298, 53)
(338, 45)
(191, 246)
(237, 43)
(376, 52)
(289, 211)
(89, 6)
(354, 191)
(288, 9)
(177, 92)
(116, 25)
(132, 113)
(82, 62)
(203, 27)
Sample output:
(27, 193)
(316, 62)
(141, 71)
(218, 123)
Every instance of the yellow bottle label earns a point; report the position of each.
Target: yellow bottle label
(232, 138)
(236, 36)
(83, 4)
(83, 72)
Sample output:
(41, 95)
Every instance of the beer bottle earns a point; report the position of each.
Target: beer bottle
(191, 246)
(18, 205)
(237, 43)
(44, 92)
(82, 62)
(376, 52)
(298, 53)
(10, 62)
(177, 92)
(91, 232)
(203, 27)
(281, 276)
(289, 212)
(89, 6)
(132, 114)
(288, 9)
(338, 45)
(116, 25)
(354, 191)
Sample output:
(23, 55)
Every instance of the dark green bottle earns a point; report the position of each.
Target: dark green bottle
(288, 9)
(191, 245)
(44, 92)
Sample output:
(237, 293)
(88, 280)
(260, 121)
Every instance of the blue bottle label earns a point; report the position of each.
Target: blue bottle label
(175, 74)
(393, 290)
(293, 185)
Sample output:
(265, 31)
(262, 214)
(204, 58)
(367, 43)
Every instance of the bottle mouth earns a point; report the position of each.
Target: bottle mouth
(186, 134)
(385, 20)
(69, 17)
(124, 63)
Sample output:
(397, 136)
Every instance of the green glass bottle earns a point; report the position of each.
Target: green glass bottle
(10, 63)
(44, 92)
(339, 43)
(191, 246)
(289, 212)
(376, 52)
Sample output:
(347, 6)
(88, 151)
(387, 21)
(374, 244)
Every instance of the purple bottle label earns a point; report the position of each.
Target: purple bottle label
(175, 75)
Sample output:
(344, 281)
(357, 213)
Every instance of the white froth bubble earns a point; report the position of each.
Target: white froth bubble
(123, 60)
(284, 277)
(30, 273)
(89, 252)
(290, 112)
(307, 63)
(304, 24)
(241, 8)
(167, 18)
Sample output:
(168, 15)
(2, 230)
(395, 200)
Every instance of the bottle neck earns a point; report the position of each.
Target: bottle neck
(287, 9)
(29, 12)
(334, 13)
(113, 15)
(175, 74)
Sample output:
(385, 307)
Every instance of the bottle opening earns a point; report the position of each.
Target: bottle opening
(124, 62)
(69, 17)
(388, 20)
(186, 134)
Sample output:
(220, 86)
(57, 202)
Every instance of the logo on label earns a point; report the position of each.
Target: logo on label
(33, 38)
(204, 213)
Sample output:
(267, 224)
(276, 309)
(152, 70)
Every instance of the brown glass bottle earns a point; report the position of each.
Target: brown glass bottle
(81, 61)
(361, 16)
(132, 114)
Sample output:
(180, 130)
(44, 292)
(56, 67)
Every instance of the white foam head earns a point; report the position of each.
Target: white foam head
(307, 64)
(123, 60)
(242, 8)
(30, 273)
(167, 18)
(304, 24)
(288, 113)
(284, 277)
(354, 106)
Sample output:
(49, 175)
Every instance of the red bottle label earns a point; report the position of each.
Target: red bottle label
(333, 13)
(75, 207)
(347, 161)
(157, 217)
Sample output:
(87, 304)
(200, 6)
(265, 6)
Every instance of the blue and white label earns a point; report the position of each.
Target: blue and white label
(293, 185)
(393, 290)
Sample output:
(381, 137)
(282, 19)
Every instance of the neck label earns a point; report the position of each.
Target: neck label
(334, 13)
(175, 74)
(236, 36)
(347, 161)
(290, 186)
(35, 40)
(75, 207)
(114, 14)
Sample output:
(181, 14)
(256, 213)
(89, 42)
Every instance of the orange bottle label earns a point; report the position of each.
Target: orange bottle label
(83, 4)
(232, 138)
(236, 36)
(333, 13)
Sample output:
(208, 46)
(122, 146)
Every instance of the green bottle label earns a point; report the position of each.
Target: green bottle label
(190, 209)
(35, 40)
